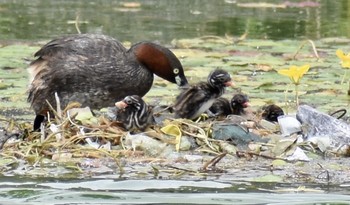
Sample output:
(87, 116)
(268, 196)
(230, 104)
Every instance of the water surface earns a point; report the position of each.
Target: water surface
(109, 191)
(164, 20)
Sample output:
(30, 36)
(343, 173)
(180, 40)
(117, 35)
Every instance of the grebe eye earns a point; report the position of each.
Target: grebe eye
(176, 71)
(128, 101)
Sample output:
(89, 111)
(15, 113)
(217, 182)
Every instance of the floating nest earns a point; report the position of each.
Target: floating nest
(74, 135)
(77, 131)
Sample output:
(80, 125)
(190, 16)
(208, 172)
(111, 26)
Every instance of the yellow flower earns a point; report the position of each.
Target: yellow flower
(295, 73)
(345, 59)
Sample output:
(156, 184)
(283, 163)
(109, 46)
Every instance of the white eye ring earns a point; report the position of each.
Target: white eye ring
(176, 71)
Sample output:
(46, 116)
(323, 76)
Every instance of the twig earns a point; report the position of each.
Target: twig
(42, 132)
(52, 110)
(202, 134)
(58, 105)
(77, 23)
(303, 44)
(225, 41)
(182, 169)
(214, 161)
(75, 124)
(328, 177)
(160, 111)
(240, 153)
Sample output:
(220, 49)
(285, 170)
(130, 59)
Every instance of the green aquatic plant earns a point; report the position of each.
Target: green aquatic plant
(295, 73)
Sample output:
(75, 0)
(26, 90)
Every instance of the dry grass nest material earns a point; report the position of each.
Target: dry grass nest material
(76, 137)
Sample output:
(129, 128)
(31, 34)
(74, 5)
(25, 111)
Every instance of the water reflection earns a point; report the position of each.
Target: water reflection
(151, 192)
(165, 20)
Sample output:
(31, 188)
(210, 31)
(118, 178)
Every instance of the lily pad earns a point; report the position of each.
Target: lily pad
(267, 178)
(279, 163)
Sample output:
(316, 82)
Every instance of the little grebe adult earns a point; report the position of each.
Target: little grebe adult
(96, 71)
(134, 113)
(192, 102)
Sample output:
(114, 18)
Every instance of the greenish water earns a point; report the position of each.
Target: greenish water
(164, 20)
(111, 191)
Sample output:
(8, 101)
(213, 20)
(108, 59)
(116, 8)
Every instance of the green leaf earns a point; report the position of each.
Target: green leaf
(268, 178)
(278, 163)
(85, 116)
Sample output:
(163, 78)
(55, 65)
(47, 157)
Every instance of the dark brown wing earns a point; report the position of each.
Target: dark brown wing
(82, 44)
(91, 69)
(189, 101)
